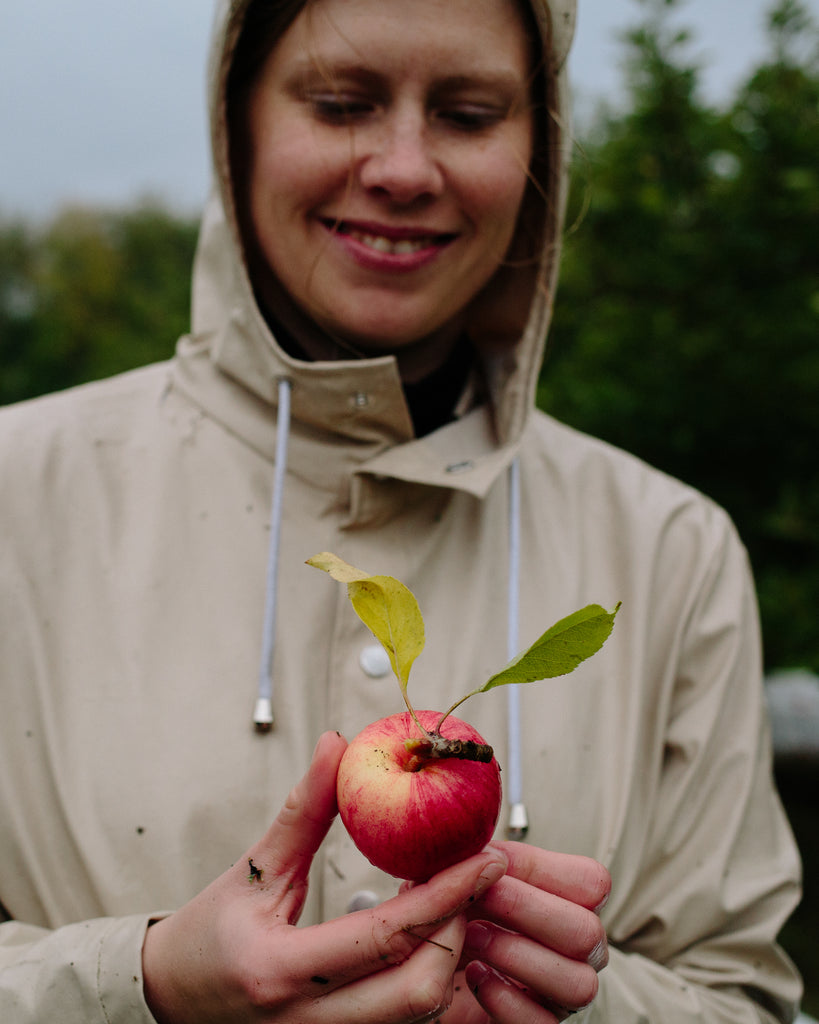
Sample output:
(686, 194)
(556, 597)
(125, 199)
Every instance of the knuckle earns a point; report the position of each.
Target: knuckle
(426, 998)
(516, 901)
(261, 988)
(393, 945)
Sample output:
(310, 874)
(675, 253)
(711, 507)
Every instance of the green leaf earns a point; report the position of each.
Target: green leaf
(386, 607)
(561, 648)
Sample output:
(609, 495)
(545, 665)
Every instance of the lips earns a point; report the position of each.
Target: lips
(391, 241)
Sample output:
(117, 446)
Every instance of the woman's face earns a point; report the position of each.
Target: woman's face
(388, 146)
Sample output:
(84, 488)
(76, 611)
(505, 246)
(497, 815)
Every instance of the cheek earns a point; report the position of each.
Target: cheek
(497, 179)
(278, 174)
(498, 195)
(513, 169)
(295, 169)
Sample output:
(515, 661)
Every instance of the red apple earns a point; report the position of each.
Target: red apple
(414, 817)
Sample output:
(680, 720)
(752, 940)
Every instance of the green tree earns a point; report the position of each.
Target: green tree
(687, 321)
(17, 302)
(90, 294)
(689, 304)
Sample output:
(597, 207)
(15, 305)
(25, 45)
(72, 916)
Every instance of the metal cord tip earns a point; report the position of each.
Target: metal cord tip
(518, 822)
(263, 715)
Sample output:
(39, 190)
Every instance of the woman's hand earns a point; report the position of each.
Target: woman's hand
(233, 953)
(534, 944)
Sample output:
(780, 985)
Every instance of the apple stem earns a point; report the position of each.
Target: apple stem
(438, 747)
(434, 746)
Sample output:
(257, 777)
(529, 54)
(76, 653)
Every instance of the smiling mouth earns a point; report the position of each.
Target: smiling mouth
(401, 243)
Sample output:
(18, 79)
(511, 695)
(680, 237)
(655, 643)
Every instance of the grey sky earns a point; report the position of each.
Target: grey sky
(103, 102)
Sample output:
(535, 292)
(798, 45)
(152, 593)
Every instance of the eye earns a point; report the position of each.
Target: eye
(340, 108)
(471, 117)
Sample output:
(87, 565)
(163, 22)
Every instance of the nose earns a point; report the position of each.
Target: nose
(400, 163)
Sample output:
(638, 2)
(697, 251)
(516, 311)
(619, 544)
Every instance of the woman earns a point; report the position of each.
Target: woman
(370, 299)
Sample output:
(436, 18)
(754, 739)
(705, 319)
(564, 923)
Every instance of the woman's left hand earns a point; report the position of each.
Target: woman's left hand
(534, 944)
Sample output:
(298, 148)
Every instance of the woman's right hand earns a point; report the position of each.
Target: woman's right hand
(233, 953)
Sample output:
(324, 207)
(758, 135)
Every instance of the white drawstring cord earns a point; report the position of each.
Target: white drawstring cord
(263, 718)
(518, 824)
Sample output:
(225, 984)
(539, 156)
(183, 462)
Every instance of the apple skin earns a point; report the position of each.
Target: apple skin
(413, 824)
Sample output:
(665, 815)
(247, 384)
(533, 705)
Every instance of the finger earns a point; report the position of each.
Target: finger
(550, 920)
(550, 977)
(370, 941)
(463, 1009)
(504, 1002)
(280, 862)
(578, 879)
(419, 989)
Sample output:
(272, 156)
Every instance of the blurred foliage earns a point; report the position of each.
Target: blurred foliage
(687, 323)
(686, 328)
(796, 779)
(90, 294)
(687, 319)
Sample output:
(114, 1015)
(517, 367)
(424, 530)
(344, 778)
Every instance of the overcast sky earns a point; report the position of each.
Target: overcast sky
(103, 102)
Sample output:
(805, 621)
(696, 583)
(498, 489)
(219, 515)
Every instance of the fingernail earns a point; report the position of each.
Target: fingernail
(477, 974)
(493, 871)
(602, 903)
(478, 937)
(599, 956)
(322, 740)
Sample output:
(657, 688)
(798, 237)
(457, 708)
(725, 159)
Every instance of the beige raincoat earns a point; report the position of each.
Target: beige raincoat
(135, 538)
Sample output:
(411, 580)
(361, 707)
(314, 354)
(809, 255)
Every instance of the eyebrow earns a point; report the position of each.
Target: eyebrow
(307, 72)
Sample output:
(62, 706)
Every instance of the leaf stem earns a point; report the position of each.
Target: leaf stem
(414, 716)
(455, 707)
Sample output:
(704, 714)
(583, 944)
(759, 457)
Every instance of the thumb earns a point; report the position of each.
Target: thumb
(285, 853)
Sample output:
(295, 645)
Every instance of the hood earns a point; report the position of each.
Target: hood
(510, 318)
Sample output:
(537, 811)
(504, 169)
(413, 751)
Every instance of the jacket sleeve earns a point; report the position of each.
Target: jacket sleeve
(84, 973)
(693, 932)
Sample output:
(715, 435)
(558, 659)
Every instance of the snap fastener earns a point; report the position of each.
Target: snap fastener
(364, 899)
(360, 400)
(460, 467)
(375, 661)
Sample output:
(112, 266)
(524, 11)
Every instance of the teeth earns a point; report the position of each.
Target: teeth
(408, 245)
(404, 247)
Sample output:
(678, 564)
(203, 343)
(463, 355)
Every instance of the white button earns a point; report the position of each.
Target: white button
(363, 900)
(375, 661)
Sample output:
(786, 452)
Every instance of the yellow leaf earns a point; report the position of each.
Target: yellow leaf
(337, 567)
(386, 607)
